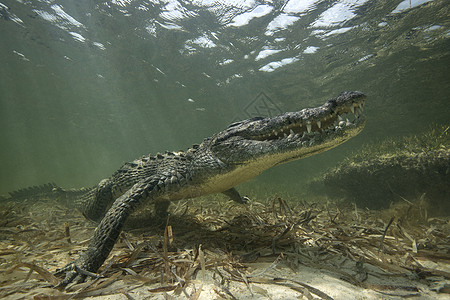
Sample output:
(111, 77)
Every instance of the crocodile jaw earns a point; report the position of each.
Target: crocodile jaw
(249, 147)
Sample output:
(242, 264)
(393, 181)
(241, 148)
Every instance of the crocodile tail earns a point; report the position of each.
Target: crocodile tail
(91, 202)
(70, 197)
(34, 192)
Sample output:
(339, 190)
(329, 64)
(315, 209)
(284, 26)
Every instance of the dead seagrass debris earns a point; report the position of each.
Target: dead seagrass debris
(213, 238)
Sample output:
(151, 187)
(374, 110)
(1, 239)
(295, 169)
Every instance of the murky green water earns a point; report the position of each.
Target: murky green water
(88, 85)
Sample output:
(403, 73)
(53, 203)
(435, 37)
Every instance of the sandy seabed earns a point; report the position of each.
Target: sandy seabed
(215, 249)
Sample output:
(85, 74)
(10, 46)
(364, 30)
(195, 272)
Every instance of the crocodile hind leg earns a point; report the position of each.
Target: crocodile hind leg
(109, 229)
(161, 208)
(95, 203)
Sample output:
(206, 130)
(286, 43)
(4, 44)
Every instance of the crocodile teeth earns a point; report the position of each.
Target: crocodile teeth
(358, 111)
(340, 118)
(319, 124)
(308, 127)
(352, 108)
(276, 133)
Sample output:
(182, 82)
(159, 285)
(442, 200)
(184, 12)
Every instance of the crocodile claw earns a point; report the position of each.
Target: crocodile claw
(245, 200)
(73, 273)
(70, 275)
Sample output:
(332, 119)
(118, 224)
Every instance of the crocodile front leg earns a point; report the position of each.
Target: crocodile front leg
(234, 195)
(108, 230)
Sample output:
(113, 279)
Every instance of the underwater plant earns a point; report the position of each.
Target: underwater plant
(396, 169)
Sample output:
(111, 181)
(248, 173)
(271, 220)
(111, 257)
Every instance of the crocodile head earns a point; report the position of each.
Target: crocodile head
(254, 145)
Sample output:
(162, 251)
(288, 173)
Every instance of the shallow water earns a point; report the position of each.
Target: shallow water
(87, 86)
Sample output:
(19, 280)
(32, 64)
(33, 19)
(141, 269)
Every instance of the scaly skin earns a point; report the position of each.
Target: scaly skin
(240, 152)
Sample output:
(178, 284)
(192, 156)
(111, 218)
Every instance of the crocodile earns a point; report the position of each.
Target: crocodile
(217, 165)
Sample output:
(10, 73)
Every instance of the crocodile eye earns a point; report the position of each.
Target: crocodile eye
(245, 121)
(234, 124)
